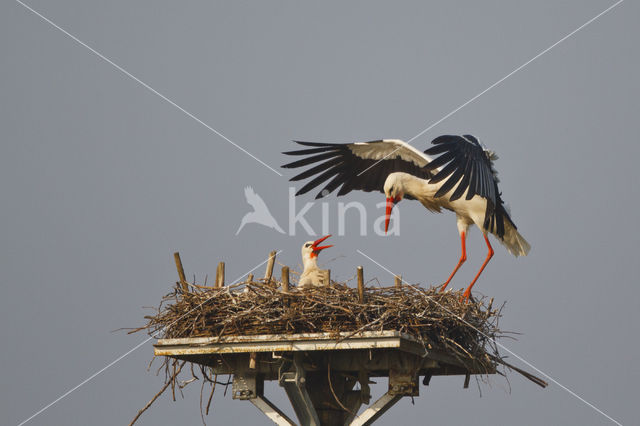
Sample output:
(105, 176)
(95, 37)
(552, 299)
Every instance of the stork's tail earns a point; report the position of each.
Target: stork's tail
(513, 241)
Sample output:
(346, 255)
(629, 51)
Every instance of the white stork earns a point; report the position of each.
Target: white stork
(461, 179)
(312, 275)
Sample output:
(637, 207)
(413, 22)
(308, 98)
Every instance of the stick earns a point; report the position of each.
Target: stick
(269, 272)
(334, 393)
(285, 279)
(398, 281)
(183, 279)
(213, 388)
(327, 277)
(360, 284)
(164, 388)
(538, 381)
(220, 275)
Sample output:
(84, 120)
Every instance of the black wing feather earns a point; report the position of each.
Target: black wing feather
(444, 173)
(465, 157)
(317, 169)
(312, 159)
(317, 181)
(331, 186)
(464, 183)
(469, 167)
(317, 144)
(442, 160)
(437, 149)
(308, 151)
(472, 182)
(450, 183)
(345, 169)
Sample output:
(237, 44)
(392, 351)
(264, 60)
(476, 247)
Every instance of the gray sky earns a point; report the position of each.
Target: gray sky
(102, 180)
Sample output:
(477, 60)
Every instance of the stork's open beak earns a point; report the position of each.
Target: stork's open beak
(317, 249)
(390, 204)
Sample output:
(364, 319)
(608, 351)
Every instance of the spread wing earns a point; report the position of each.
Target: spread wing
(360, 166)
(465, 162)
(462, 159)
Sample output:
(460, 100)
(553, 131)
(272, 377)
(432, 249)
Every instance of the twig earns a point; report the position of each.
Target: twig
(333, 392)
(164, 388)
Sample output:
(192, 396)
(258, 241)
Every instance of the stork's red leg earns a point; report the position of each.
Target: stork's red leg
(463, 257)
(467, 292)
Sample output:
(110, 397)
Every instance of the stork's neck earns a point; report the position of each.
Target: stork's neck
(414, 186)
(309, 262)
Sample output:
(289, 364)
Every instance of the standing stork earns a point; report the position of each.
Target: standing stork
(461, 179)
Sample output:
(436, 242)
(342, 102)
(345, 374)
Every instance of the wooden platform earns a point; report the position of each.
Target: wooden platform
(340, 346)
(320, 370)
(289, 343)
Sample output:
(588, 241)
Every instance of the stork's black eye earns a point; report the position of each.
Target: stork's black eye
(307, 245)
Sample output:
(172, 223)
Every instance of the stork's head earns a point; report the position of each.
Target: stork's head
(394, 191)
(311, 249)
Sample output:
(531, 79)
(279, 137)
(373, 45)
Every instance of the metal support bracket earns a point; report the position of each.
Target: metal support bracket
(293, 383)
(271, 411)
(365, 390)
(355, 399)
(376, 410)
(403, 383)
(248, 385)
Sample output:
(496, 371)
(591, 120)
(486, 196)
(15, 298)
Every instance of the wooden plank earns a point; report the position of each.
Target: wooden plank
(387, 339)
(286, 337)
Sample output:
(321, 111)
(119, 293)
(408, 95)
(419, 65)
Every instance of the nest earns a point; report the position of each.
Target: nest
(439, 320)
(464, 329)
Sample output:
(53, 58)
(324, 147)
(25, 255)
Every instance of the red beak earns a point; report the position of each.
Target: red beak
(317, 249)
(390, 204)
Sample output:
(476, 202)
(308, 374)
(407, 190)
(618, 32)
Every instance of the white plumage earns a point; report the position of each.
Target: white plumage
(312, 275)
